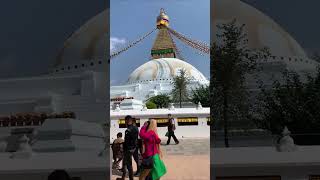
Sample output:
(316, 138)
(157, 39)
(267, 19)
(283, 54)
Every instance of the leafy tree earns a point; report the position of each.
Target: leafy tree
(180, 92)
(202, 95)
(161, 101)
(316, 56)
(151, 105)
(231, 61)
(294, 104)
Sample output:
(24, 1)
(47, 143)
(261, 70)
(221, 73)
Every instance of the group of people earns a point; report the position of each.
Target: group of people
(145, 143)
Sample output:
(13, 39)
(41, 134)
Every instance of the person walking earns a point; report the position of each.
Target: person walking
(152, 163)
(129, 146)
(117, 150)
(171, 129)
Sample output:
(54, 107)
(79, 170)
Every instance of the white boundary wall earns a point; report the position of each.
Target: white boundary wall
(202, 130)
(266, 161)
(88, 166)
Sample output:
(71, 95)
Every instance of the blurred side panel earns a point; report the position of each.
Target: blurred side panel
(54, 81)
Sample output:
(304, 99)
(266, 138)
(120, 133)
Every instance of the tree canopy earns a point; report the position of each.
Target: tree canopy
(294, 104)
(202, 95)
(180, 92)
(161, 101)
(151, 105)
(231, 61)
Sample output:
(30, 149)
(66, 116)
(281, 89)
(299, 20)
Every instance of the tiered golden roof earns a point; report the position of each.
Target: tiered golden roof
(163, 46)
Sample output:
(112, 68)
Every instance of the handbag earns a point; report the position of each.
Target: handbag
(147, 163)
(167, 134)
(159, 169)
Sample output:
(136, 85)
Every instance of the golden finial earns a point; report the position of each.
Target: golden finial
(162, 11)
(162, 19)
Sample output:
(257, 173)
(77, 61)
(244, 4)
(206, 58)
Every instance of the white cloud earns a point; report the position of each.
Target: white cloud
(116, 42)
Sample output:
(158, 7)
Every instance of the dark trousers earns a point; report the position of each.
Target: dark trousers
(127, 164)
(136, 158)
(171, 134)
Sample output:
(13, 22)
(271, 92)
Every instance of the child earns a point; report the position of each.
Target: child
(117, 150)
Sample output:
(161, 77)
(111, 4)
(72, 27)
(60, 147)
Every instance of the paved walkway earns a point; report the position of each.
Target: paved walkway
(189, 160)
(187, 147)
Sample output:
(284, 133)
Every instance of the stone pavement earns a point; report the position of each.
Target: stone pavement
(187, 147)
(189, 160)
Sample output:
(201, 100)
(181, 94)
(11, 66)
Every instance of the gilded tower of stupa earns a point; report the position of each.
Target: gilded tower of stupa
(163, 46)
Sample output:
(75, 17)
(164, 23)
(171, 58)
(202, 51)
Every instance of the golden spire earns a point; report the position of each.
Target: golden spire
(163, 46)
(162, 19)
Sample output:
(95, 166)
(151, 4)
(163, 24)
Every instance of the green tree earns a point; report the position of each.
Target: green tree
(294, 104)
(231, 61)
(151, 105)
(162, 101)
(202, 95)
(316, 56)
(180, 93)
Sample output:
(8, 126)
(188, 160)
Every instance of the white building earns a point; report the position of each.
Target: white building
(155, 77)
(262, 31)
(255, 156)
(78, 84)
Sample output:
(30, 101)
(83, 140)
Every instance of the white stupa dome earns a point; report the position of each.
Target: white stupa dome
(85, 49)
(164, 69)
(262, 31)
(88, 43)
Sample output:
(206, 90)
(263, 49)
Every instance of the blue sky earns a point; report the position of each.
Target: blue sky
(33, 31)
(130, 19)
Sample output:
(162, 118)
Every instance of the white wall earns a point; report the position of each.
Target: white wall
(200, 131)
(266, 161)
(293, 172)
